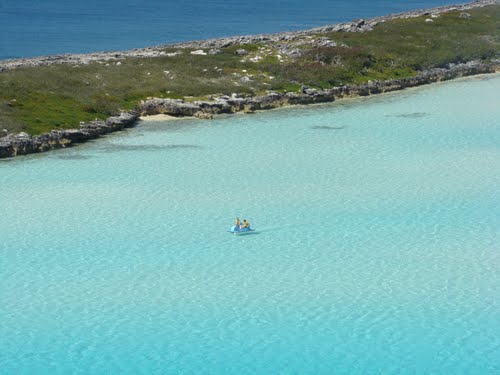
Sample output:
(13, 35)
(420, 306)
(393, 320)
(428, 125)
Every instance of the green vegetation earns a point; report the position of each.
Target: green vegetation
(419, 45)
(59, 96)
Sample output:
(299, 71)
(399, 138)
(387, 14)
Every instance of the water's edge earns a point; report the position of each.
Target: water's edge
(23, 144)
(360, 25)
(376, 251)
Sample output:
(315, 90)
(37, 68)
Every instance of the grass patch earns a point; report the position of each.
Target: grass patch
(42, 98)
(250, 47)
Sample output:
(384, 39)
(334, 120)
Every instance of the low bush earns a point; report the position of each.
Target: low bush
(39, 99)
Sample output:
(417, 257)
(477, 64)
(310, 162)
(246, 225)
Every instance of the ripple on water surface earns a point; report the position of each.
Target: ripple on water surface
(377, 248)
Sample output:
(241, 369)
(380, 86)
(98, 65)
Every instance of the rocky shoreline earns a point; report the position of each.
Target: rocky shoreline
(360, 25)
(227, 105)
(23, 144)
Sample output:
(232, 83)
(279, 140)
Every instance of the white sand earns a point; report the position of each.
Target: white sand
(159, 118)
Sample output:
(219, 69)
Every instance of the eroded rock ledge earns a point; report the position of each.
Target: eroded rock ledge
(235, 103)
(22, 143)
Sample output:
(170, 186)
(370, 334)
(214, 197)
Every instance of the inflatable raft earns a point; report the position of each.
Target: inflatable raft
(235, 230)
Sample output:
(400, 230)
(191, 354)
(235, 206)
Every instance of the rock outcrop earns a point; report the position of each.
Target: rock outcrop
(225, 104)
(22, 143)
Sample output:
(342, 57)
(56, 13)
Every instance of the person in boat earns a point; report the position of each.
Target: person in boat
(237, 225)
(246, 224)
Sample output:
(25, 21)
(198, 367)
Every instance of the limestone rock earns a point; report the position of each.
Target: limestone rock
(172, 107)
(310, 91)
(22, 135)
(22, 143)
(245, 79)
(204, 115)
(199, 52)
(360, 23)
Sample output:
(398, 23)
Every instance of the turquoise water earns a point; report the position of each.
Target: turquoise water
(378, 244)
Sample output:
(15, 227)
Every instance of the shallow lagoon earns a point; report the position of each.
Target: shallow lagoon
(377, 251)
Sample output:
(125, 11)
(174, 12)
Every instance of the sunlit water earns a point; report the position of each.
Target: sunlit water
(377, 251)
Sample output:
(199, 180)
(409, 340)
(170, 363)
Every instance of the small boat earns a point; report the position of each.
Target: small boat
(235, 230)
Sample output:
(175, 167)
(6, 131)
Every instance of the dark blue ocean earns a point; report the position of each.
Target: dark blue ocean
(32, 28)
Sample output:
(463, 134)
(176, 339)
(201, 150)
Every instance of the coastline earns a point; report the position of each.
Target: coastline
(22, 143)
(356, 26)
(157, 118)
